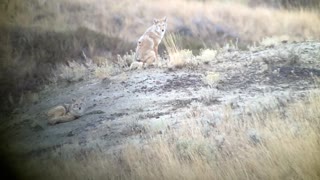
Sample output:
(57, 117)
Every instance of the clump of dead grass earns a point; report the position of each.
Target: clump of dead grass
(103, 68)
(273, 41)
(126, 60)
(70, 72)
(207, 55)
(178, 58)
(211, 78)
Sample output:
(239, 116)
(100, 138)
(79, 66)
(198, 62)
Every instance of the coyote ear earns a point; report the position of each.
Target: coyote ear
(83, 98)
(165, 19)
(73, 100)
(155, 21)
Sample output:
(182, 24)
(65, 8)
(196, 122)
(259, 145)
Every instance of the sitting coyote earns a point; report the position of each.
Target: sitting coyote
(67, 112)
(147, 46)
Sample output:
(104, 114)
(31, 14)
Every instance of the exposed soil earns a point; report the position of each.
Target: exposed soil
(135, 105)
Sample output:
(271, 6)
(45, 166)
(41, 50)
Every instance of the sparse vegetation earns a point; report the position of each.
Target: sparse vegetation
(103, 68)
(73, 72)
(207, 55)
(211, 78)
(262, 146)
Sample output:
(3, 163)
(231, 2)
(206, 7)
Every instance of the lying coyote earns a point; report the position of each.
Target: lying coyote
(147, 46)
(67, 112)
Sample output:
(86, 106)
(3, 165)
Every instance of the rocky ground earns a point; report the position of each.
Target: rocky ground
(133, 106)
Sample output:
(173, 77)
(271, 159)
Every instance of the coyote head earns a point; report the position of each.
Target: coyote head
(161, 25)
(78, 106)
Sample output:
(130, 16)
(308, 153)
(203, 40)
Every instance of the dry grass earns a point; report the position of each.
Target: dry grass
(126, 60)
(211, 78)
(178, 57)
(72, 72)
(174, 52)
(260, 146)
(207, 55)
(102, 67)
(181, 59)
(126, 20)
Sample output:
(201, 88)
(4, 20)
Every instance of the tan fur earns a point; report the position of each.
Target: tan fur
(147, 46)
(136, 65)
(67, 112)
(145, 51)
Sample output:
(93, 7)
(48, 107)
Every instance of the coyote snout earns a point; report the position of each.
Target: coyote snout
(147, 46)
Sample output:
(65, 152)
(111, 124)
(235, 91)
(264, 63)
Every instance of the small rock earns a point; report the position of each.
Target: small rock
(219, 140)
(276, 71)
(295, 129)
(234, 105)
(70, 134)
(32, 97)
(264, 68)
(36, 127)
(106, 81)
(254, 136)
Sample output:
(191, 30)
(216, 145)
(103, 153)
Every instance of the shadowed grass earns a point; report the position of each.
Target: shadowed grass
(29, 55)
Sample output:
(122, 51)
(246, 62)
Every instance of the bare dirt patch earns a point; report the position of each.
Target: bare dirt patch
(152, 100)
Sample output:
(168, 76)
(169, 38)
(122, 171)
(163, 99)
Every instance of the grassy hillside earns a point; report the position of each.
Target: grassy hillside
(234, 97)
(38, 35)
(129, 19)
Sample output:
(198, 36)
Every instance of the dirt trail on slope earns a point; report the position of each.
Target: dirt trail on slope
(136, 105)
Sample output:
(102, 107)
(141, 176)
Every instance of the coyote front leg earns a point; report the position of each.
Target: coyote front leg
(156, 53)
